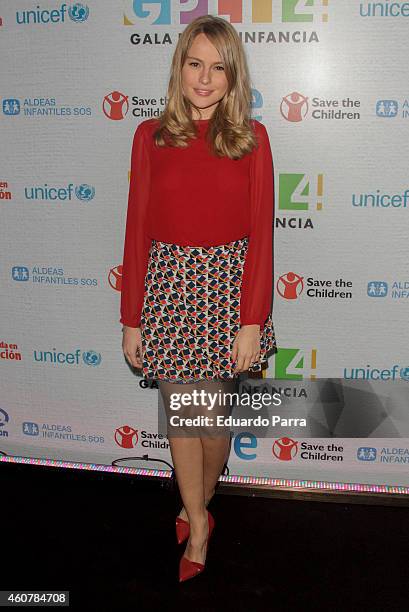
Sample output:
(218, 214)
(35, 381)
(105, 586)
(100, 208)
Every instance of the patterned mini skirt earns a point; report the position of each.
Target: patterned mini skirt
(191, 313)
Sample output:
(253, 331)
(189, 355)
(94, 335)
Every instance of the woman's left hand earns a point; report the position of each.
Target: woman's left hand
(246, 347)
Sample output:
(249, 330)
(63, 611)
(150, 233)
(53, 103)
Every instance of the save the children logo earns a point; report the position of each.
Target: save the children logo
(115, 105)
(285, 448)
(115, 277)
(295, 107)
(290, 286)
(127, 436)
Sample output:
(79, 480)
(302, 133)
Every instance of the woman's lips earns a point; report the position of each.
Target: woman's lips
(202, 92)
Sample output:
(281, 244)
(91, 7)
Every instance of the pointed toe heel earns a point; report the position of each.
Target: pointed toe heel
(190, 569)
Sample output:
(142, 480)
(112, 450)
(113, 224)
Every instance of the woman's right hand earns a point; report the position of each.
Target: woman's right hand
(132, 345)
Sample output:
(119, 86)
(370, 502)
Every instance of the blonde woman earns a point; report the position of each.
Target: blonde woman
(198, 257)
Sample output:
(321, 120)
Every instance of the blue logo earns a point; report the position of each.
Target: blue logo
(386, 108)
(30, 429)
(20, 273)
(11, 106)
(256, 103)
(78, 12)
(377, 289)
(404, 373)
(4, 417)
(85, 192)
(366, 453)
(91, 358)
(74, 358)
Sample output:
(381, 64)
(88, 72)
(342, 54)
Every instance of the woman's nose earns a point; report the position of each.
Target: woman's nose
(204, 77)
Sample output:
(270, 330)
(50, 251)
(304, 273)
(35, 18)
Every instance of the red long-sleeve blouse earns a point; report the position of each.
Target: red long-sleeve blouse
(188, 196)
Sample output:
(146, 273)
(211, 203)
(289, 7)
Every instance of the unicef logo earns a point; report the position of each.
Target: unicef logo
(91, 358)
(85, 192)
(404, 373)
(78, 12)
(4, 417)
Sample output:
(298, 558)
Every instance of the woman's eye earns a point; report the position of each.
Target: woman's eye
(196, 64)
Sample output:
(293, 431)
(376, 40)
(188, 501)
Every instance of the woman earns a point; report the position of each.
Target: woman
(197, 268)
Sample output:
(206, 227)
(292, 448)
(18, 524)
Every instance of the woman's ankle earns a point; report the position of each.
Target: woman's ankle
(199, 525)
(183, 513)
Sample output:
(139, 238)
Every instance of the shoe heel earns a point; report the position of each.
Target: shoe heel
(182, 530)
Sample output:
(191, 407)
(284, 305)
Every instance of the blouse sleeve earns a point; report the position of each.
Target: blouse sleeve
(137, 243)
(257, 282)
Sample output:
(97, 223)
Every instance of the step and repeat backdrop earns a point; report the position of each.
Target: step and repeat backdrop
(330, 82)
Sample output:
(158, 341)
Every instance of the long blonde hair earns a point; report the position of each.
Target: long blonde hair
(229, 132)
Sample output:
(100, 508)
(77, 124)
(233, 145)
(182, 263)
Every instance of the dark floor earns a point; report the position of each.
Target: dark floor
(109, 539)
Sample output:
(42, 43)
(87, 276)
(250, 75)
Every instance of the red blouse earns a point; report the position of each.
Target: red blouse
(191, 197)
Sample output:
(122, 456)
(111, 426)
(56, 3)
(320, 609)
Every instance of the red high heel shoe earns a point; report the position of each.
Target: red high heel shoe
(182, 529)
(189, 569)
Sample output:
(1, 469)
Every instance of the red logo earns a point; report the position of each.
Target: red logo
(285, 449)
(290, 285)
(115, 277)
(294, 107)
(115, 105)
(126, 436)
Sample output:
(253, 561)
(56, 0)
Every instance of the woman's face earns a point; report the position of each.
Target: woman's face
(204, 81)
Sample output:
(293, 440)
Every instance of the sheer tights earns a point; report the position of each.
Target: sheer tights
(214, 400)
(199, 453)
